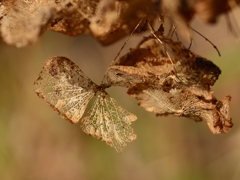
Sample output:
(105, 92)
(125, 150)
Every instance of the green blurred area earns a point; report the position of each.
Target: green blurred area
(36, 143)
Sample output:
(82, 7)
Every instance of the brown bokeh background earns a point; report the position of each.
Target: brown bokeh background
(36, 143)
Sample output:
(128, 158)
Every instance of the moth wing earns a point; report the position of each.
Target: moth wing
(126, 76)
(219, 120)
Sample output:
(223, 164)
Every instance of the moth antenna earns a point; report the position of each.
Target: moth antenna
(215, 47)
(128, 39)
(175, 32)
(170, 31)
(153, 33)
(125, 44)
(190, 44)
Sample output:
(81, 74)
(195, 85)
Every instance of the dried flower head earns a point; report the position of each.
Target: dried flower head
(63, 86)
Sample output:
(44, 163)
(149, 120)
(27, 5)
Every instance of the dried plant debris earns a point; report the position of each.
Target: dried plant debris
(63, 86)
(181, 12)
(23, 21)
(209, 10)
(166, 78)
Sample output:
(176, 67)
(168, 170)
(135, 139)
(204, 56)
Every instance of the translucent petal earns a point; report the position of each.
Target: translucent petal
(109, 122)
(63, 86)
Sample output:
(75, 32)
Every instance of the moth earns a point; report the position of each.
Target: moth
(65, 88)
(167, 78)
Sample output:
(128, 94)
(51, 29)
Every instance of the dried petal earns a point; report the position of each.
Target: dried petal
(65, 88)
(109, 122)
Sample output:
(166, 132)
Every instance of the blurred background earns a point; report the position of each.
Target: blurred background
(36, 143)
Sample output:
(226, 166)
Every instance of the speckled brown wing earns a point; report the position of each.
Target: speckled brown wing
(126, 76)
(166, 78)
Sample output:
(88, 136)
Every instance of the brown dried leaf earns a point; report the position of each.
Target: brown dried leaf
(109, 122)
(63, 86)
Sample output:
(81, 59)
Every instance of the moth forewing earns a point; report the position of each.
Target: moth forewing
(213, 121)
(109, 122)
(224, 113)
(63, 86)
(126, 76)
